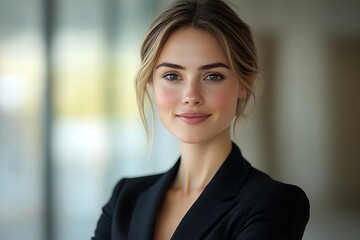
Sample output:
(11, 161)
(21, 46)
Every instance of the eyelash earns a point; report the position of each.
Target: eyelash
(218, 76)
(168, 75)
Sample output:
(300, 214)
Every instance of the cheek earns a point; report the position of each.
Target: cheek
(225, 100)
(164, 98)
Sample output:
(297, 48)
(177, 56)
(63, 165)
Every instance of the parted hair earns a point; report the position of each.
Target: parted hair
(213, 16)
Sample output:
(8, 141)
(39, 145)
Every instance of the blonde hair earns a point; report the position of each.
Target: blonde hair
(213, 16)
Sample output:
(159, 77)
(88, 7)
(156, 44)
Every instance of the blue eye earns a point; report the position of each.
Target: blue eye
(214, 77)
(171, 77)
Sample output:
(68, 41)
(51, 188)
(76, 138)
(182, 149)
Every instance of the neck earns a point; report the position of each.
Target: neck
(200, 162)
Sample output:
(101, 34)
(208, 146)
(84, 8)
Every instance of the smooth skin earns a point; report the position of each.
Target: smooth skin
(196, 93)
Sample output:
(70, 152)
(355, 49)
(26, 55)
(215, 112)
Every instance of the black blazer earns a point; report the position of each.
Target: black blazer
(240, 202)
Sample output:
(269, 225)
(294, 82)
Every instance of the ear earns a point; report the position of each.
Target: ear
(243, 91)
(151, 83)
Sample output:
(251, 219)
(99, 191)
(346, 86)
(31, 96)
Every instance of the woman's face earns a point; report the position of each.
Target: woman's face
(195, 89)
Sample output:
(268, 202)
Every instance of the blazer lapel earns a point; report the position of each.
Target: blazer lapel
(216, 199)
(144, 216)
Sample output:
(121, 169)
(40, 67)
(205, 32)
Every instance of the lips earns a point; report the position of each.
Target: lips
(193, 118)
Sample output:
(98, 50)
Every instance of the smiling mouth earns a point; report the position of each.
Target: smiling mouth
(193, 118)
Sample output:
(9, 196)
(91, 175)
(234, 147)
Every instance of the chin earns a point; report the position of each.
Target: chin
(193, 138)
(200, 137)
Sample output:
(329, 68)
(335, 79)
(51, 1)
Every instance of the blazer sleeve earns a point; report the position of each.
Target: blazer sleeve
(103, 229)
(282, 215)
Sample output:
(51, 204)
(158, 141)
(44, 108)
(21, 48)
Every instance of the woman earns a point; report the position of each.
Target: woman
(199, 63)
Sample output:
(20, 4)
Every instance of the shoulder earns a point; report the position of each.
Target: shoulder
(273, 208)
(122, 202)
(134, 186)
(261, 184)
(257, 185)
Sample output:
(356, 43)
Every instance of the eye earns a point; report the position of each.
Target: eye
(214, 77)
(171, 77)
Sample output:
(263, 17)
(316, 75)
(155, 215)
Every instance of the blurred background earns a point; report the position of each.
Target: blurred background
(69, 125)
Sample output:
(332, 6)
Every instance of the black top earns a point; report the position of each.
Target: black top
(240, 202)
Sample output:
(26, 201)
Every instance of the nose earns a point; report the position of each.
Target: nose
(192, 95)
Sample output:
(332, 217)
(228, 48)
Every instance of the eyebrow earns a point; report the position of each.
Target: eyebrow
(213, 65)
(170, 65)
(204, 67)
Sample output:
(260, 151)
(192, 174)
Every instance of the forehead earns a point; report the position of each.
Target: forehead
(190, 45)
